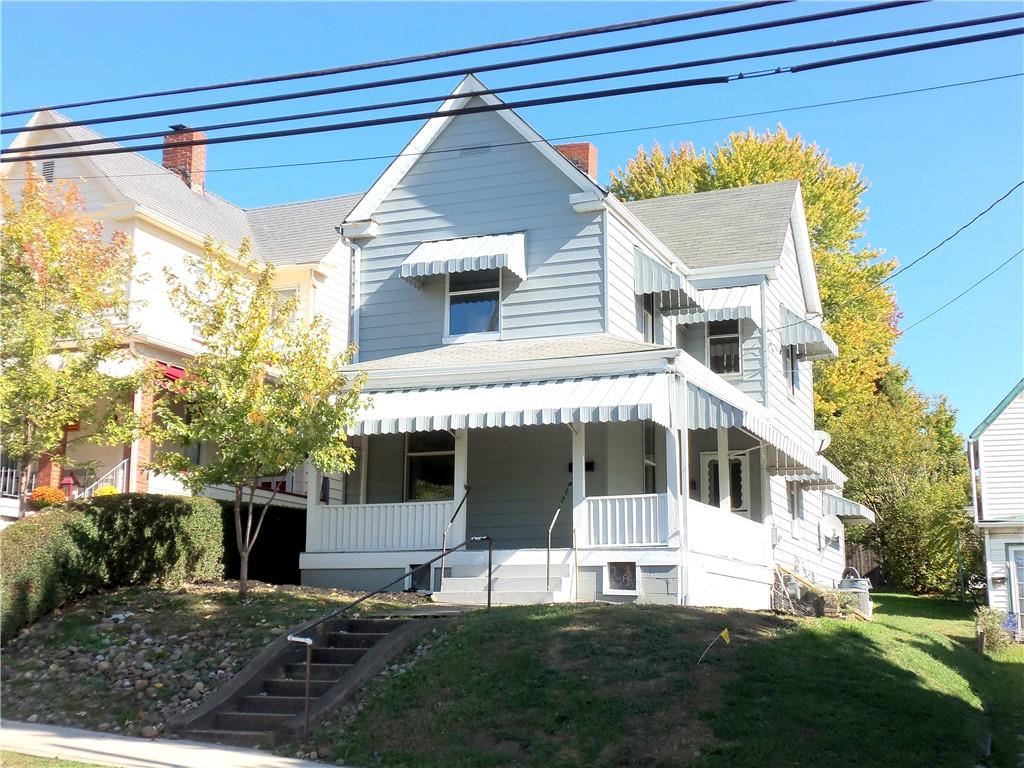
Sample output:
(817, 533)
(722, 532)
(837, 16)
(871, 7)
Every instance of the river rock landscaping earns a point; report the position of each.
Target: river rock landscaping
(129, 660)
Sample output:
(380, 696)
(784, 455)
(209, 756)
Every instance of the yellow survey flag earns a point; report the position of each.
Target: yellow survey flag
(725, 635)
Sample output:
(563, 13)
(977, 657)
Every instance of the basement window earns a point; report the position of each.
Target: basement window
(620, 578)
(429, 466)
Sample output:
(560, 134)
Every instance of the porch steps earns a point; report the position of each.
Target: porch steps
(271, 703)
(512, 584)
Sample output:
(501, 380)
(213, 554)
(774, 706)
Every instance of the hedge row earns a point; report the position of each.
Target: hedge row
(100, 543)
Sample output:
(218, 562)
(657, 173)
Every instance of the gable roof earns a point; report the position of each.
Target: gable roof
(998, 410)
(700, 228)
(292, 233)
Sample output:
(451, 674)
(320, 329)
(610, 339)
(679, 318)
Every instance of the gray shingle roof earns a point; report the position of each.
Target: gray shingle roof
(701, 229)
(528, 350)
(292, 233)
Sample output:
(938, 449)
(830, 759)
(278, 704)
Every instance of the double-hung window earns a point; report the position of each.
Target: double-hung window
(648, 307)
(791, 368)
(429, 466)
(795, 504)
(283, 296)
(723, 347)
(474, 303)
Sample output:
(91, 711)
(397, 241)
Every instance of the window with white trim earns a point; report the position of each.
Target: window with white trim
(473, 303)
(649, 314)
(650, 462)
(795, 505)
(429, 466)
(791, 368)
(739, 481)
(723, 347)
(284, 295)
(621, 579)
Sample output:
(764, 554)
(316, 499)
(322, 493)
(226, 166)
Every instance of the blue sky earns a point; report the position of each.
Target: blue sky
(933, 159)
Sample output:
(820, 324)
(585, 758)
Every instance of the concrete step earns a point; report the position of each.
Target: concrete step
(516, 571)
(234, 738)
(367, 625)
(297, 671)
(344, 639)
(287, 687)
(251, 721)
(501, 584)
(497, 598)
(267, 703)
(335, 655)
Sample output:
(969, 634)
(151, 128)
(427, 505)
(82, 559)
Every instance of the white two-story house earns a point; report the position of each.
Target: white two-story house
(619, 395)
(995, 450)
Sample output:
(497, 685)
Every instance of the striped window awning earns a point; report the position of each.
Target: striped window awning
(632, 397)
(737, 303)
(811, 342)
(467, 254)
(848, 511)
(673, 289)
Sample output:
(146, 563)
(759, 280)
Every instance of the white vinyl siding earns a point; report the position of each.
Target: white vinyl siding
(624, 318)
(1001, 453)
(997, 544)
(504, 189)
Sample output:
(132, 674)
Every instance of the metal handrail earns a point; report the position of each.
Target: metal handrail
(447, 529)
(308, 641)
(115, 476)
(554, 519)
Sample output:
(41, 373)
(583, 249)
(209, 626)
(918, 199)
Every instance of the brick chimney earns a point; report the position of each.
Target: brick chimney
(583, 155)
(189, 162)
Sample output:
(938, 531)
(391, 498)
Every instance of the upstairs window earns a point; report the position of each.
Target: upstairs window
(649, 315)
(791, 368)
(429, 466)
(723, 347)
(284, 295)
(474, 302)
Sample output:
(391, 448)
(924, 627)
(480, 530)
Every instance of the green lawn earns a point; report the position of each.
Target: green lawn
(14, 760)
(618, 686)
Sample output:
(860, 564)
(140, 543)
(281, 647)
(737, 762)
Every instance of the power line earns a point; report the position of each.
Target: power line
(416, 58)
(514, 64)
(566, 98)
(543, 84)
(613, 132)
(920, 258)
(963, 293)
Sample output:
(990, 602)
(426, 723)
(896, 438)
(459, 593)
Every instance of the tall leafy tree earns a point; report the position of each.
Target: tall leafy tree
(62, 322)
(265, 394)
(900, 450)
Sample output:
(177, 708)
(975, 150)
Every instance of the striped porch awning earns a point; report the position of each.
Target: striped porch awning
(467, 254)
(631, 397)
(737, 303)
(673, 289)
(846, 510)
(811, 342)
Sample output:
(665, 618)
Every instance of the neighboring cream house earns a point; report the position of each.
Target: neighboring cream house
(996, 452)
(548, 366)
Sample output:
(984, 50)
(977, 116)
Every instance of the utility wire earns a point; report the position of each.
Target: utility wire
(434, 56)
(920, 258)
(584, 96)
(542, 84)
(592, 134)
(514, 64)
(962, 293)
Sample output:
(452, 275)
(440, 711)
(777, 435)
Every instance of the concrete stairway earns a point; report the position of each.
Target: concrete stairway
(271, 702)
(512, 584)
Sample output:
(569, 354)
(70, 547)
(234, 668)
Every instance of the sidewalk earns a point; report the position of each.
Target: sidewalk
(110, 749)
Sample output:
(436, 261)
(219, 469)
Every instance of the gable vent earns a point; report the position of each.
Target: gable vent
(48, 170)
(477, 150)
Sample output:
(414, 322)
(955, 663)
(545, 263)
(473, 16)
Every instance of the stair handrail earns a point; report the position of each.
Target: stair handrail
(554, 519)
(447, 529)
(104, 479)
(308, 641)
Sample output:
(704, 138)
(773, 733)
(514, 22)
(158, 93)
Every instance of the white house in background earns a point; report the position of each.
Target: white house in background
(529, 338)
(996, 453)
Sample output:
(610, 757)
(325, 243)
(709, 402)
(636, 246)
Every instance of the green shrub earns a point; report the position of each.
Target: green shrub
(105, 542)
(991, 621)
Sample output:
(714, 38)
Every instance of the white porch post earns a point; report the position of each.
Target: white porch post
(579, 483)
(312, 499)
(458, 532)
(364, 466)
(684, 496)
(724, 500)
(672, 479)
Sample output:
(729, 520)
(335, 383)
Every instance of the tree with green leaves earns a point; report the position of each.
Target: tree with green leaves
(899, 449)
(265, 394)
(62, 323)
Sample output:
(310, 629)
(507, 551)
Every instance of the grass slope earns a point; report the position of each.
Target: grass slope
(618, 686)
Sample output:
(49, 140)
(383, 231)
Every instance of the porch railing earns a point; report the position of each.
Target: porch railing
(627, 520)
(117, 477)
(377, 527)
(10, 482)
(726, 534)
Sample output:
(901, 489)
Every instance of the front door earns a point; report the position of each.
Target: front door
(1016, 565)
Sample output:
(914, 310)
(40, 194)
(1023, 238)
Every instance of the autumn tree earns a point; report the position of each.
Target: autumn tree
(62, 322)
(266, 392)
